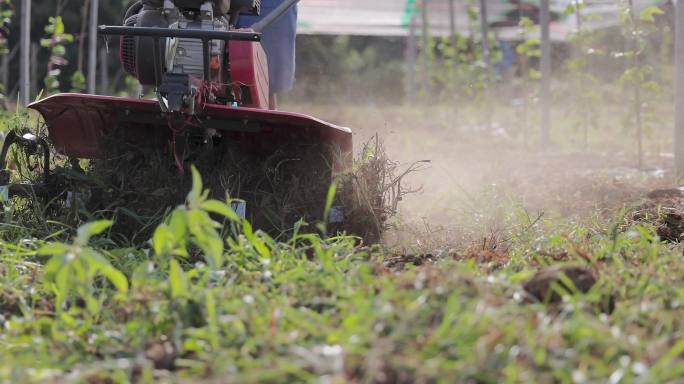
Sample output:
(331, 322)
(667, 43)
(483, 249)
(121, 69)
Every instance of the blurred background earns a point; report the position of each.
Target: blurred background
(408, 52)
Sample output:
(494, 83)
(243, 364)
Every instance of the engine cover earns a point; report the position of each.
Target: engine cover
(186, 56)
(222, 7)
(188, 70)
(136, 52)
(181, 56)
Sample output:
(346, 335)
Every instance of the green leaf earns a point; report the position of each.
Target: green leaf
(117, 278)
(535, 53)
(205, 236)
(330, 199)
(177, 280)
(569, 10)
(162, 240)
(668, 357)
(649, 13)
(102, 265)
(473, 14)
(222, 209)
(195, 195)
(62, 279)
(59, 25)
(534, 74)
(53, 266)
(58, 50)
(54, 249)
(526, 23)
(87, 231)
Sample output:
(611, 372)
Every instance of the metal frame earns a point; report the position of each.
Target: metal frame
(158, 33)
(109, 30)
(30, 144)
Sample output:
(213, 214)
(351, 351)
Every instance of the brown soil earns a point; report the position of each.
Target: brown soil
(162, 354)
(9, 305)
(541, 285)
(665, 211)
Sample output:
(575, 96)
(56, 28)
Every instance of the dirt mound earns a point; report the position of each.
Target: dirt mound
(541, 286)
(664, 209)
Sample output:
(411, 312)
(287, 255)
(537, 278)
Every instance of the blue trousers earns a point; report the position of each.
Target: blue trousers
(279, 42)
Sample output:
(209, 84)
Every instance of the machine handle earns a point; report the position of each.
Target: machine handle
(108, 30)
(274, 16)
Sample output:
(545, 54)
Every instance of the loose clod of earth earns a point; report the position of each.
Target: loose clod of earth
(550, 285)
(162, 354)
(9, 305)
(546, 284)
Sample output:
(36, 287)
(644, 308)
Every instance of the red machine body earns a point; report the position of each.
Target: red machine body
(211, 111)
(249, 66)
(78, 122)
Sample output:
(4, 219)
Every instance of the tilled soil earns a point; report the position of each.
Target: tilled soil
(664, 209)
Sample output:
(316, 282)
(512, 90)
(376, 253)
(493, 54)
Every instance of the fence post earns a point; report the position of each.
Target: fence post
(411, 61)
(35, 47)
(6, 60)
(679, 91)
(546, 69)
(25, 54)
(92, 47)
(426, 50)
(484, 29)
(452, 25)
(454, 47)
(104, 71)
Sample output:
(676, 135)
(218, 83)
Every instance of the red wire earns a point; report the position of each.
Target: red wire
(204, 89)
(174, 134)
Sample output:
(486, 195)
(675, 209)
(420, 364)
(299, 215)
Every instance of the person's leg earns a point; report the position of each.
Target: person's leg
(273, 101)
(279, 42)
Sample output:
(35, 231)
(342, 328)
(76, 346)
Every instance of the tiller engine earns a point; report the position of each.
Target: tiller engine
(211, 110)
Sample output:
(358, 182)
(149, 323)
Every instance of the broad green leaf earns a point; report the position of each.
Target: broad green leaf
(330, 199)
(116, 277)
(59, 25)
(649, 13)
(53, 249)
(534, 74)
(53, 266)
(196, 193)
(473, 14)
(101, 264)
(87, 231)
(58, 50)
(204, 233)
(177, 280)
(162, 240)
(569, 10)
(222, 209)
(62, 279)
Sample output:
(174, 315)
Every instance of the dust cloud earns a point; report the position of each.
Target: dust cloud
(477, 178)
